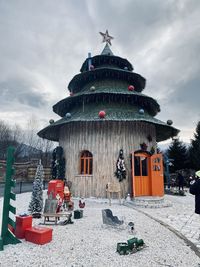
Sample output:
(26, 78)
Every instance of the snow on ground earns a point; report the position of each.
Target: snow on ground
(180, 216)
(89, 243)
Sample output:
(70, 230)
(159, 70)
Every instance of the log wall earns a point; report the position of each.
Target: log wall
(103, 139)
(24, 171)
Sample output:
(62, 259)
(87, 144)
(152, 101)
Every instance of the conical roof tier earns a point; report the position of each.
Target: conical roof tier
(107, 51)
(103, 84)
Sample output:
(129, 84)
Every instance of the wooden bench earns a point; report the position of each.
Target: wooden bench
(56, 216)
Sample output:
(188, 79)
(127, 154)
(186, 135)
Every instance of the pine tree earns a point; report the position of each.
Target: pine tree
(36, 203)
(178, 152)
(194, 150)
(120, 172)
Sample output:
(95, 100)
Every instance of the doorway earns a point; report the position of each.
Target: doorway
(141, 175)
(147, 174)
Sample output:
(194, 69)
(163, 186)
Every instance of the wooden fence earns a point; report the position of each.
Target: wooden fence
(24, 171)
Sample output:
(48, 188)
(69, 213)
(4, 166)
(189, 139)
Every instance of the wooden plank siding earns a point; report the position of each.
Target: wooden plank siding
(103, 139)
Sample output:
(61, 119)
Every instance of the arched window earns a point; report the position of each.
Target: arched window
(86, 162)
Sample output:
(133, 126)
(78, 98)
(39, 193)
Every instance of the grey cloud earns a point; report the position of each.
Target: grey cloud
(19, 91)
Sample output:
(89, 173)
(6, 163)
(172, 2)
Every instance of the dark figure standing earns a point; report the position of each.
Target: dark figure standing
(195, 190)
(180, 181)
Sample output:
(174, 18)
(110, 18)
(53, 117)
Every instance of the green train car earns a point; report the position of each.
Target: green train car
(133, 245)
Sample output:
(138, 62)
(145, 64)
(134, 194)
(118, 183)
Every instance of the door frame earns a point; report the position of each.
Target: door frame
(147, 155)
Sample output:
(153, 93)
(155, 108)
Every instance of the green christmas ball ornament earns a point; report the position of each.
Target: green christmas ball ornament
(51, 121)
(141, 111)
(169, 122)
(68, 115)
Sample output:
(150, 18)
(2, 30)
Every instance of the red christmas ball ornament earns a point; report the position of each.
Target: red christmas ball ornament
(131, 88)
(91, 67)
(102, 114)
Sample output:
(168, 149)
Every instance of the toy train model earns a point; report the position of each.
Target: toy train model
(133, 245)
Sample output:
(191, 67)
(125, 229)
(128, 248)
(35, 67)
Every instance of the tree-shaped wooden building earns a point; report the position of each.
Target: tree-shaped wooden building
(106, 112)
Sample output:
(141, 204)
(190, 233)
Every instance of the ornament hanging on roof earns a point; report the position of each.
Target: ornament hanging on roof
(106, 37)
(102, 114)
(131, 88)
(91, 67)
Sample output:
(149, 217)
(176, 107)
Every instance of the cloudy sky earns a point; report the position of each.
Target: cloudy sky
(44, 43)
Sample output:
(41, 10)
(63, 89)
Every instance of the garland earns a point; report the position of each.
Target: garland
(120, 172)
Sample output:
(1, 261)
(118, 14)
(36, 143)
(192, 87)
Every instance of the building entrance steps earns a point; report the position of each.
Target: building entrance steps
(149, 202)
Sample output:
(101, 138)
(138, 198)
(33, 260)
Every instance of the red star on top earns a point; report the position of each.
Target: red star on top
(106, 37)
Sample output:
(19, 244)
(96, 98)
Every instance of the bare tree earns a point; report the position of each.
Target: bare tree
(47, 148)
(31, 138)
(27, 143)
(8, 136)
(5, 138)
(38, 148)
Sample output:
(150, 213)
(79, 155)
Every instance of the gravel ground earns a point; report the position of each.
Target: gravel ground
(88, 242)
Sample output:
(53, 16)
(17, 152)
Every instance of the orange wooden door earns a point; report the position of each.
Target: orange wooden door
(156, 166)
(141, 175)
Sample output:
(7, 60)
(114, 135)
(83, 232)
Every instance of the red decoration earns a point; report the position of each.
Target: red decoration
(38, 235)
(81, 204)
(91, 67)
(68, 203)
(67, 194)
(102, 114)
(22, 223)
(131, 88)
(56, 187)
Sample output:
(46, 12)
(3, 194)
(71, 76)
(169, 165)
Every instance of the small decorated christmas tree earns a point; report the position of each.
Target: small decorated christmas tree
(120, 172)
(36, 203)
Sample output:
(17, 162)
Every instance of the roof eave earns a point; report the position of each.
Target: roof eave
(163, 131)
